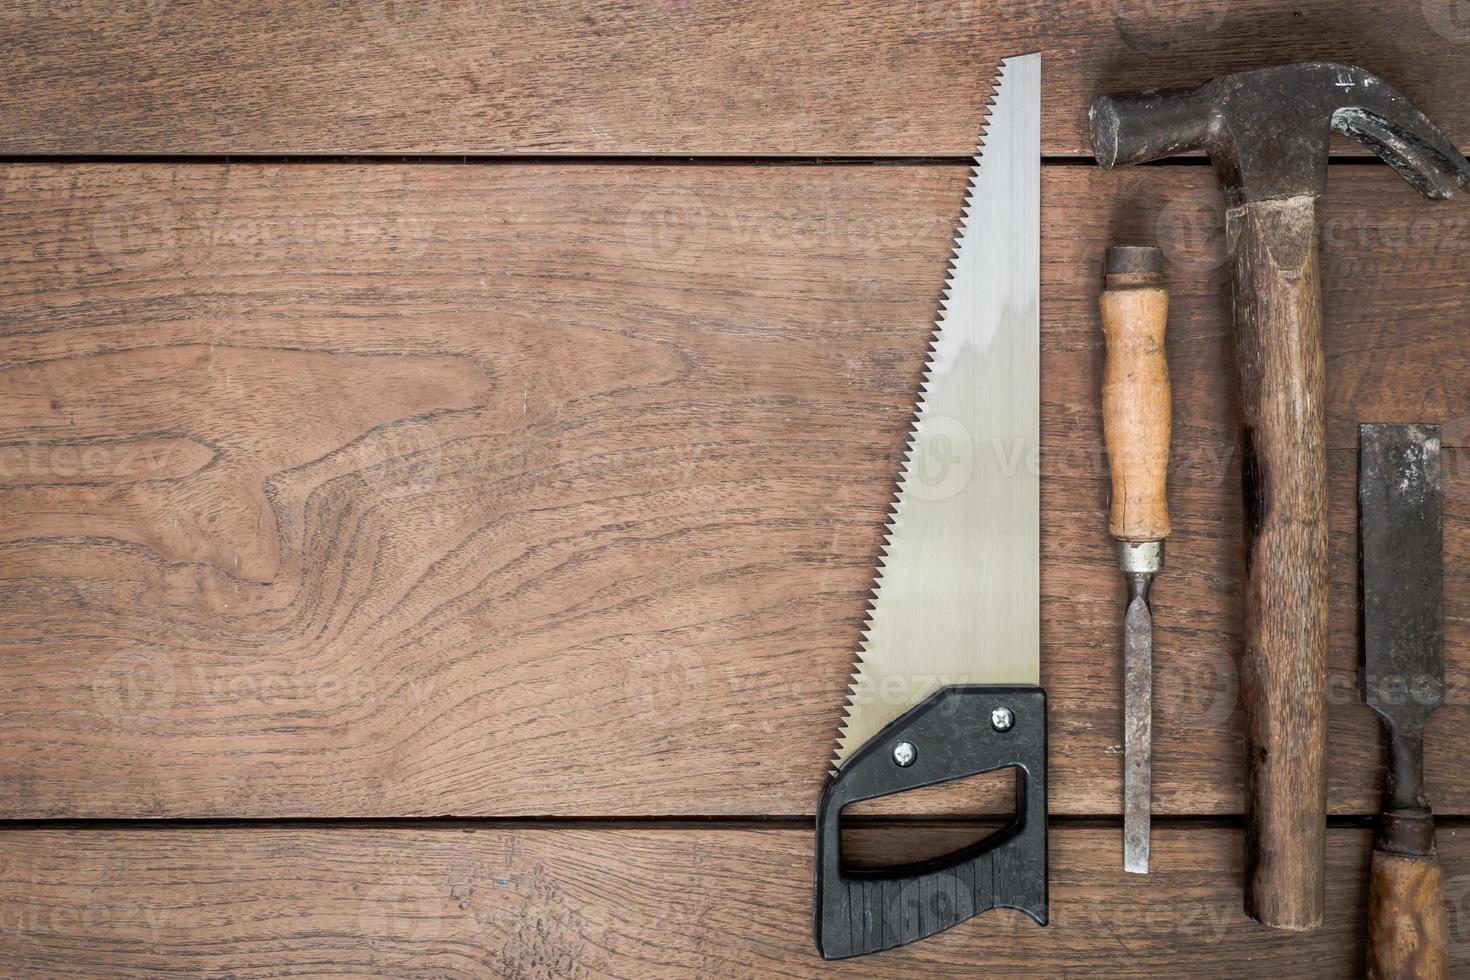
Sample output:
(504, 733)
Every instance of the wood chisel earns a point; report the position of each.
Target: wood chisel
(947, 679)
(1136, 417)
(1401, 676)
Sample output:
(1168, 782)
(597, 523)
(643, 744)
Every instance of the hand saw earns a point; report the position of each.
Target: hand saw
(946, 683)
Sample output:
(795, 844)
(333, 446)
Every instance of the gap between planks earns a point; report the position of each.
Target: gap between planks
(593, 160)
(1064, 822)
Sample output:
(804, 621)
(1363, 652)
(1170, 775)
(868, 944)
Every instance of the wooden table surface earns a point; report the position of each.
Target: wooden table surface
(444, 449)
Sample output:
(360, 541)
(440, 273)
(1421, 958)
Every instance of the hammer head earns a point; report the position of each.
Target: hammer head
(1266, 131)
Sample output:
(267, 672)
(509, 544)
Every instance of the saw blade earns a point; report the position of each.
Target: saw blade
(956, 596)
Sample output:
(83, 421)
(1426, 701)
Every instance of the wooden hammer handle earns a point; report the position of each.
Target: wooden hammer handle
(1278, 323)
(1135, 393)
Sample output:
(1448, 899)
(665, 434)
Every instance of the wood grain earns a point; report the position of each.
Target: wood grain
(890, 77)
(1135, 407)
(1277, 302)
(1407, 923)
(440, 901)
(519, 490)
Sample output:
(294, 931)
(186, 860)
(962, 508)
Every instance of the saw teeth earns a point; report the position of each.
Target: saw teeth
(840, 751)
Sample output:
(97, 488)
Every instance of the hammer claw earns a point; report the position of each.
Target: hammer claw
(1422, 155)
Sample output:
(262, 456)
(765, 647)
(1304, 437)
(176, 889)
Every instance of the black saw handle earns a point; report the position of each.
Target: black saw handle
(954, 733)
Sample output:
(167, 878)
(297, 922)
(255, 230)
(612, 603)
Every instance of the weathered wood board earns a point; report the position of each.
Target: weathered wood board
(436, 901)
(551, 490)
(859, 77)
(336, 490)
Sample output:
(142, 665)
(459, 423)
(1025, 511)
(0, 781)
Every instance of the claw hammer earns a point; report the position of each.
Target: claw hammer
(1266, 132)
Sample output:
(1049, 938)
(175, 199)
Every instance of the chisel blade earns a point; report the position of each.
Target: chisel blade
(1138, 655)
(1401, 526)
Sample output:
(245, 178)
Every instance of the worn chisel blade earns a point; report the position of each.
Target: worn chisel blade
(1401, 535)
(1138, 655)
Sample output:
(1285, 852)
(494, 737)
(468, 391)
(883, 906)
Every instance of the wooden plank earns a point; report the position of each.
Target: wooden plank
(440, 901)
(904, 77)
(533, 490)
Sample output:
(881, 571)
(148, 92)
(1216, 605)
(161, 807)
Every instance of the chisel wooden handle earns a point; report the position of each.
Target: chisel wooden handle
(1407, 927)
(1135, 397)
(1283, 670)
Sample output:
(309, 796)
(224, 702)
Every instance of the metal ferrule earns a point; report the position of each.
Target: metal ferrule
(1140, 557)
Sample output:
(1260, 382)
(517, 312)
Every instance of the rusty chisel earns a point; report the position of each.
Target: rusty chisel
(1136, 417)
(1401, 676)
